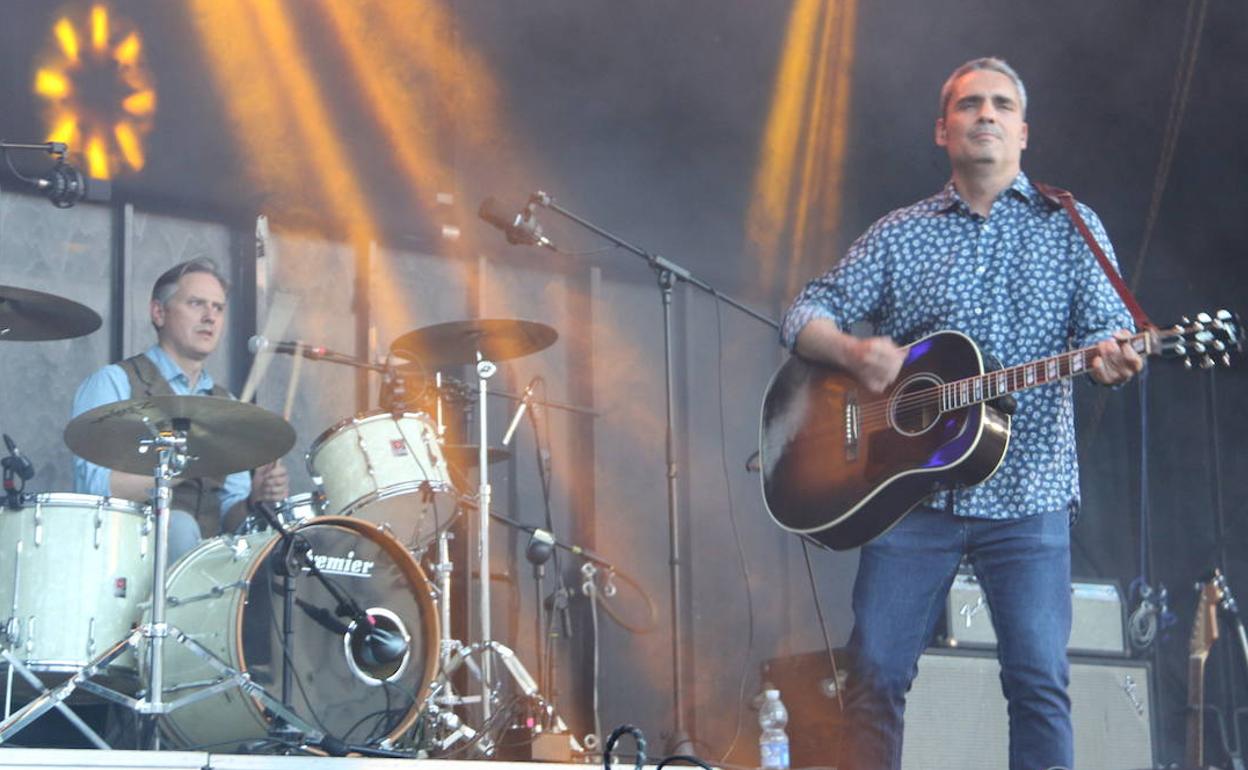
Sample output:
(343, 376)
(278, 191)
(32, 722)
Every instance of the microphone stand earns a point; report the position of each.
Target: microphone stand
(667, 274)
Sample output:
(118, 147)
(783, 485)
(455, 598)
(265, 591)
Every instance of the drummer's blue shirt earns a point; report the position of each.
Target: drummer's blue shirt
(111, 384)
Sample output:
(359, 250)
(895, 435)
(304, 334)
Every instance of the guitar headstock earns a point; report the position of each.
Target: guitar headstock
(1205, 341)
(1205, 625)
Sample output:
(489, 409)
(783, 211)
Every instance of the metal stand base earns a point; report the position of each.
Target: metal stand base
(147, 705)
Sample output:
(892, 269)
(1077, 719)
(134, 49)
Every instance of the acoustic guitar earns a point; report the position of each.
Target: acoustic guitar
(842, 465)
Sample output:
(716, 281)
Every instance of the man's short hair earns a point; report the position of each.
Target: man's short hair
(984, 63)
(167, 284)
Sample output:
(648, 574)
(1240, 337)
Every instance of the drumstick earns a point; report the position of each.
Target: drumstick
(281, 311)
(294, 381)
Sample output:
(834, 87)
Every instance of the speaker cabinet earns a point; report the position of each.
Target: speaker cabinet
(955, 714)
(956, 717)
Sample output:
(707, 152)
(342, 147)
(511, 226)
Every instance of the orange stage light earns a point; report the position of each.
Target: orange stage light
(111, 136)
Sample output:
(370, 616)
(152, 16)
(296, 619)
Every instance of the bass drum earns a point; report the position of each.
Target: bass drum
(227, 595)
(73, 572)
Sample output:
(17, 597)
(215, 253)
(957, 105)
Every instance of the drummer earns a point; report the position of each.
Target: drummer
(188, 311)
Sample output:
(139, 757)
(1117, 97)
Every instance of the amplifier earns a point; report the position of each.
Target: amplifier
(1097, 617)
(956, 715)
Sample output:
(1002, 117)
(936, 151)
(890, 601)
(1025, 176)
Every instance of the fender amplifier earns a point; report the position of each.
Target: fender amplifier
(1097, 617)
(956, 715)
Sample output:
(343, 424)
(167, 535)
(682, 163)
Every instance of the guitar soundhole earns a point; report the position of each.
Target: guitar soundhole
(915, 405)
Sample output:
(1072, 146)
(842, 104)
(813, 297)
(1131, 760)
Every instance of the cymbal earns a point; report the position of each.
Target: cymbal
(457, 342)
(464, 456)
(225, 435)
(27, 315)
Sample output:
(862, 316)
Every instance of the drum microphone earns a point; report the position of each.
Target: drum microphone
(521, 229)
(65, 185)
(18, 462)
(260, 343)
(524, 404)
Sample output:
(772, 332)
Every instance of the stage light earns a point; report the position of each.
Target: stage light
(99, 96)
(795, 209)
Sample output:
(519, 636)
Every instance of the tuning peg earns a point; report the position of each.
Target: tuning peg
(1184, 320)
(1187, 363)
(1206, 363)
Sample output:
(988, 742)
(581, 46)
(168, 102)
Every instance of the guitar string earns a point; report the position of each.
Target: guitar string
(921, 399)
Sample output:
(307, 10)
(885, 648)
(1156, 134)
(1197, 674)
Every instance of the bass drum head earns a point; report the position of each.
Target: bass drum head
(341, 684)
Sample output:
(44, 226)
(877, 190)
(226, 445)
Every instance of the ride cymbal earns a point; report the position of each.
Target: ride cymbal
(458, 342)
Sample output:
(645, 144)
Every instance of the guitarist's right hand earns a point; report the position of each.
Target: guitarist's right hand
(874, 362)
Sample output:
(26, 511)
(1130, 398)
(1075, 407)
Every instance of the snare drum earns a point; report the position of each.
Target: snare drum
(73, 569)
(291, 511)
(388, 470)
(227, 595)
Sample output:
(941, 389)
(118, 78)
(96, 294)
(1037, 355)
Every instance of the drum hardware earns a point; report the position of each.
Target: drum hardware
(172, 427)
(19, 466)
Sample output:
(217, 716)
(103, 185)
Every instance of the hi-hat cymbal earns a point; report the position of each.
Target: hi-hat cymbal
(464, 456)
(458, 342)
(27, 315)
(224, 435)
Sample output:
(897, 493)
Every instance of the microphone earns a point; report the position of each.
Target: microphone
(65, 185)
(18, 462)
(382, 646)
(521, 229)
(524, 404)
(259, 343)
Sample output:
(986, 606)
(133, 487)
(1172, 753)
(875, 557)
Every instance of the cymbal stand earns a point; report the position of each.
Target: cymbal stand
(170, 447)
(485, 370)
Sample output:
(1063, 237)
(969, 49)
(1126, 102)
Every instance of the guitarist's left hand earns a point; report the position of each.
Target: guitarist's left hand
(1116, 361)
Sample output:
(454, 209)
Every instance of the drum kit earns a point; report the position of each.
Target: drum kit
(313, 627)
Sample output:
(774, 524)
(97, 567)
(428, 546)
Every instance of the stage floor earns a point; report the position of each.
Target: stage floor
(38, 759)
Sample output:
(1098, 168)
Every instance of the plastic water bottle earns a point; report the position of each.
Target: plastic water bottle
(773, 743)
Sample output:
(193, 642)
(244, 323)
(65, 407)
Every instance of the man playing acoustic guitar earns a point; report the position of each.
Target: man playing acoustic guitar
(991, 257)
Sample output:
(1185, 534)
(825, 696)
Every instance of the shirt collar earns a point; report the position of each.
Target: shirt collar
(171, 371)
(948, 199)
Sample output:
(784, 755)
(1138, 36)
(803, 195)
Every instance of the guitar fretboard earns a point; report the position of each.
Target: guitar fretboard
(986, 387)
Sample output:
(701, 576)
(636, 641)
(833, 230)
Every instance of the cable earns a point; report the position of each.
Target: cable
(823, 627)
(652, 611)
(736, 532)
(591, 590)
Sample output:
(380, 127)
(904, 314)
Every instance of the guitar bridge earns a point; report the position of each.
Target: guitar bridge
(851, 426)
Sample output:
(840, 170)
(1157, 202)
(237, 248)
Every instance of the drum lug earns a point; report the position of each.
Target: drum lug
(38, 524)
(99, 521)
(30, 635)
(13, 631)
(91, 638)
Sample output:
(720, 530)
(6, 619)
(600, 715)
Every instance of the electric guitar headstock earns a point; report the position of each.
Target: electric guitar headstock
(1205, 625)
(1205, 341)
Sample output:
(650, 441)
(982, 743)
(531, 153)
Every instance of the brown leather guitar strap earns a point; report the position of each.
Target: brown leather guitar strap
(1063, 198)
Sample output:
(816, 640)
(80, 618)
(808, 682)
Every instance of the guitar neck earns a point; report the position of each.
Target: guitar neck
(1195, 743)
(986, 387)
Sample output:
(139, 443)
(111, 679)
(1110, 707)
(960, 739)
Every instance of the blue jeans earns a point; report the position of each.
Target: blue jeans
(903, 579)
